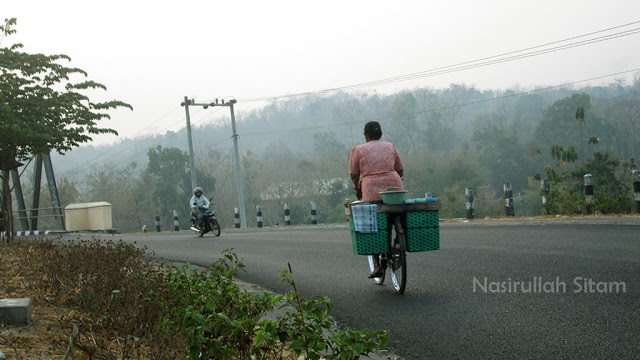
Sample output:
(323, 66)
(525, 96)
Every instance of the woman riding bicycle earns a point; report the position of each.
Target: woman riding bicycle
(380, 166)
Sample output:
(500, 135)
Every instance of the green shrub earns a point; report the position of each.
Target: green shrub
(217, 317)
(566, 195)
(309, 330)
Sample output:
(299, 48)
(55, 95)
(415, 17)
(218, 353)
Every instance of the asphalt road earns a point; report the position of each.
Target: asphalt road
(475, 298)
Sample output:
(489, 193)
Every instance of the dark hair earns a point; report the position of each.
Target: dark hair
(373, 130)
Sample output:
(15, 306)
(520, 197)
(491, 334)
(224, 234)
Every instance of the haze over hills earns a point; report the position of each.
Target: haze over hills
(292, 123)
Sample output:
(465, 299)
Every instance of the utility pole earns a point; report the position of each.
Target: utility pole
(192, 165)
(186, 103)
(243, 215)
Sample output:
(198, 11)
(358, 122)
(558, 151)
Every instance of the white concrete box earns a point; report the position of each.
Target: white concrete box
(88, 216)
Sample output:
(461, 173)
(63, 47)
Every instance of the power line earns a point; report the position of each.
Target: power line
(524, 92)
(79, 170)
(451, 106)
(481, 62)
(478, 62)
(176, 134)
(134, 144)
(119, 144)
(298, 129)
(84, 167)
(163, 140)
(517, 57)
(514, 52)
(445, 70)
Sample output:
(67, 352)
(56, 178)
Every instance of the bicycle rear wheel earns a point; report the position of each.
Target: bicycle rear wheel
(398, 257)
(377, 280)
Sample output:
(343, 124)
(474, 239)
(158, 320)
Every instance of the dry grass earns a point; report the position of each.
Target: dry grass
(71, 287)
(47, 336)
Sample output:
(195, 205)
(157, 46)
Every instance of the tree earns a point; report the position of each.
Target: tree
(622, 113)
(570, 121)
(527, 114)
(438, 136)
(167, 182)
(404, 126)
(42, 108)
(348, 114)
(165, 175)
(500, 152)
(451, 101)
(326, 144)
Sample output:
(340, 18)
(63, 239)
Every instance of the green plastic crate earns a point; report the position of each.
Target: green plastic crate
(423, 219)
(423, 239)
(370, 243)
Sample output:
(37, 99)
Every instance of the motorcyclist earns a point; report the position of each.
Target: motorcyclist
(198, 201)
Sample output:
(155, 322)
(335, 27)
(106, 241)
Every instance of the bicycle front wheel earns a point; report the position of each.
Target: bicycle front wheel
(398, 257)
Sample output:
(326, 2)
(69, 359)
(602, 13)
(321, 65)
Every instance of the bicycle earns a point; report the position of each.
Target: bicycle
(409, 227)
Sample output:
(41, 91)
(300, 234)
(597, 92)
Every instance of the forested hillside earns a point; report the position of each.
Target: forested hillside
(296, 150)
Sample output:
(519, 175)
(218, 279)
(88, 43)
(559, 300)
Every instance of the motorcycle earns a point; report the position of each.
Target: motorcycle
(205, 221)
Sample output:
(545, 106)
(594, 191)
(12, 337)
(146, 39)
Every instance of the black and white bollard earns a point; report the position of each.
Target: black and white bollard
(636, 188)
(469, 194)
(508, 200)
(544, 192)
(176, 223)
(287, 214)
(236, 217)
(588, 191)
(158, 223)
(347, 212)
(259, 215)
(314, 213)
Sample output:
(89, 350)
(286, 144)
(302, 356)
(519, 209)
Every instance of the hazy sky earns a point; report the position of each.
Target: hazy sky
(152, 54)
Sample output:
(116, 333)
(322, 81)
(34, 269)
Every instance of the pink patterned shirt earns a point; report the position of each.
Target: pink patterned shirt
(379, 163)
